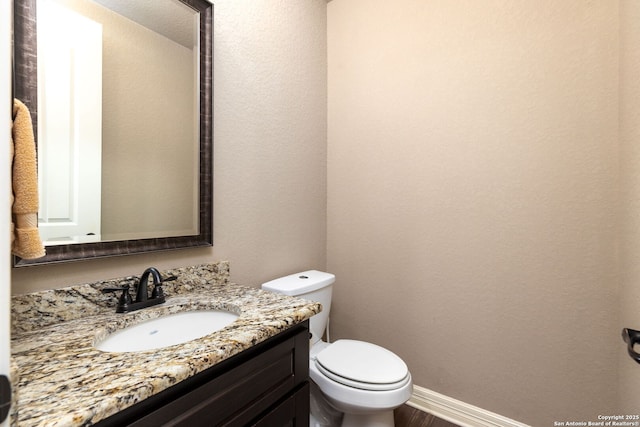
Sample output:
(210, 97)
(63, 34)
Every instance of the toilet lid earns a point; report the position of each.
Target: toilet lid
(363, 365)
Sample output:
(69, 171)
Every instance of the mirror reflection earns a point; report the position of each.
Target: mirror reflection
(120, 95)
(118, 123)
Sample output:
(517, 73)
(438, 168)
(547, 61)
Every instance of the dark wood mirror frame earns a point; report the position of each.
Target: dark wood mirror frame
(25, 88)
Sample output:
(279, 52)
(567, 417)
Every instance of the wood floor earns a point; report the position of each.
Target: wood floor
(406, 416)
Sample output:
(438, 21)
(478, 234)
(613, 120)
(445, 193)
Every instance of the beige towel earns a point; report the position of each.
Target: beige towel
(26, 242)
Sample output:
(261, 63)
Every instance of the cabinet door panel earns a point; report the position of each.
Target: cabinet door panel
(292, 412)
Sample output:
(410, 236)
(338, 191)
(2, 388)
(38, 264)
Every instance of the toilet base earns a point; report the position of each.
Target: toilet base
(322, 413)
(376, 419)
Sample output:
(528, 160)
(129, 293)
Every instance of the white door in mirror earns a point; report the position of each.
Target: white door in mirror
(167, 331)
(69, 125)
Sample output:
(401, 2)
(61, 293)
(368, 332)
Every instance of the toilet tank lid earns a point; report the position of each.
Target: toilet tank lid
(300, 283)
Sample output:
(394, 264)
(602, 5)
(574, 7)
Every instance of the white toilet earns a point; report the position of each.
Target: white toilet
(363, 381)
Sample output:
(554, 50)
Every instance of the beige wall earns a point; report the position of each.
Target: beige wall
(472, 172)
(269, 154)
(630, 166)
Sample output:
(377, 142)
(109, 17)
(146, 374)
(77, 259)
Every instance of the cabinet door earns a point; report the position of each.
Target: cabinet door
(292, 412)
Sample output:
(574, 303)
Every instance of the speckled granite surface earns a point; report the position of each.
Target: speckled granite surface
(64, 381)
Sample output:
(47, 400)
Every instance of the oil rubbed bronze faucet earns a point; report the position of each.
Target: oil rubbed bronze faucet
(127, 304)
(142, 294)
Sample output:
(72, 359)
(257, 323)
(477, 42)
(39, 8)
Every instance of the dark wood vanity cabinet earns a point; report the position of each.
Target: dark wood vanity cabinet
(266, 385)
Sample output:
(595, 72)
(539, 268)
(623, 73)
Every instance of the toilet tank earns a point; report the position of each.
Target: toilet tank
(311, 285)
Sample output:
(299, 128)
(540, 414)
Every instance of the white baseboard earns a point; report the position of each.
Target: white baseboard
(457, 412)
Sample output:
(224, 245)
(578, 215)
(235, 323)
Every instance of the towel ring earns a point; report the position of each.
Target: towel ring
(631, 337)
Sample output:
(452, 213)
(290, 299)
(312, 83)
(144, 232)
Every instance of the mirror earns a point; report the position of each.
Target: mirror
(145, 103)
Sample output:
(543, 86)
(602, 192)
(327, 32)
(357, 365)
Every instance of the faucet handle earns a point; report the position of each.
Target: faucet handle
(157, 291)
(125, 298)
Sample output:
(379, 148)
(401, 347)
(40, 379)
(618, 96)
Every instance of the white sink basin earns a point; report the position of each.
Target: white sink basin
(165, 331)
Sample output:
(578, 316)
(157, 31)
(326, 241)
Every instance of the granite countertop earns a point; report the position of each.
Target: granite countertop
(63, 380)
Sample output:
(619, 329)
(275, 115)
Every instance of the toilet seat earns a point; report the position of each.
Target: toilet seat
(362, 365)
